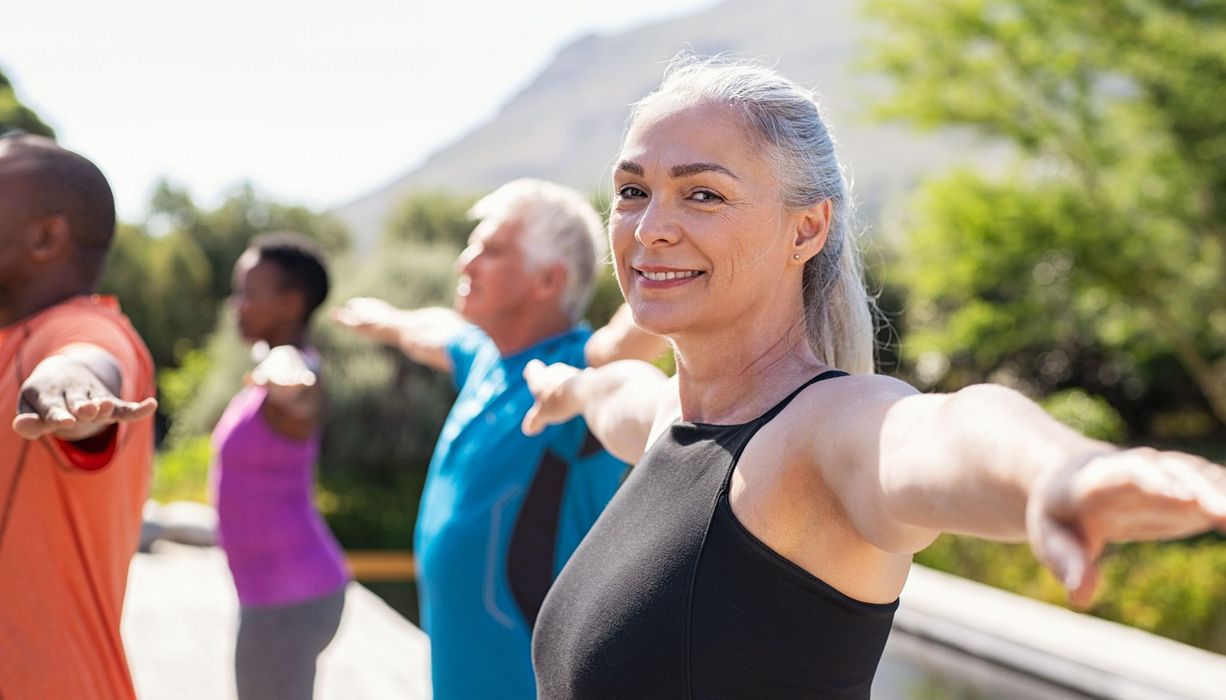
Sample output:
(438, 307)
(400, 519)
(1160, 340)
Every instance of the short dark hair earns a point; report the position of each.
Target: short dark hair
(70, 185)
(300, 261)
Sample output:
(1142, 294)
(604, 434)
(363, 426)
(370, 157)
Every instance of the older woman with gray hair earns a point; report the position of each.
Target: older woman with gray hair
(760, 544)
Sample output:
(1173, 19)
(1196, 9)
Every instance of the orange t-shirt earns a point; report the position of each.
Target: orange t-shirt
(69, 519)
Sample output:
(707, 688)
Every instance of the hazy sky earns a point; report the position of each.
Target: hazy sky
(316, 103)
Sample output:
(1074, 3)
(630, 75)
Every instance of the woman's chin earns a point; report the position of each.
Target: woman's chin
(656, 320)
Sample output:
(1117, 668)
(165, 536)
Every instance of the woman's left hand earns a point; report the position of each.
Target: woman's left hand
(1134, 494)
(283, 366)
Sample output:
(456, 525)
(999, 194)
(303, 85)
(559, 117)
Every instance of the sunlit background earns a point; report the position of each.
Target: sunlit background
(1041, 185)
(315, 103)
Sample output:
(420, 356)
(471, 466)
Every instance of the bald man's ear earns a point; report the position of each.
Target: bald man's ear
(48, 238)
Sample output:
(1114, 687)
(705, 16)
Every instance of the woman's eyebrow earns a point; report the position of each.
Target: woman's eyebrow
(679, 171)
(630, 167)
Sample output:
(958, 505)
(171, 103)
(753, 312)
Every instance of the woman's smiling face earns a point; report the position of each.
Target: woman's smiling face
(698, 230)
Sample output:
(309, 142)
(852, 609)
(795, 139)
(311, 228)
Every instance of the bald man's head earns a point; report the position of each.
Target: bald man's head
(40, 179)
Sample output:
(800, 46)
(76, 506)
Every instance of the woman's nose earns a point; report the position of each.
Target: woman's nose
(656, 226)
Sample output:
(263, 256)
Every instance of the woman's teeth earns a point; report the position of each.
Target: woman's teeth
(662, 276)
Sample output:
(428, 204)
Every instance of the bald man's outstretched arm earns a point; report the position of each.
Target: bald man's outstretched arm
(75, 394)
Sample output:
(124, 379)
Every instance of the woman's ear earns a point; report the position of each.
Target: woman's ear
(812, 229)
(293, 304)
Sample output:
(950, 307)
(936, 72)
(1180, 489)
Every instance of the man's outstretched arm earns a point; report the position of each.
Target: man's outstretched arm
(75, 394)
(421, 334)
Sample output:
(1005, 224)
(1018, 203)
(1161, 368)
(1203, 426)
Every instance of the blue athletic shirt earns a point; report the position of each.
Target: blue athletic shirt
(500, 514)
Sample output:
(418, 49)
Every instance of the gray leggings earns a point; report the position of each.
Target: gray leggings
(277, 647)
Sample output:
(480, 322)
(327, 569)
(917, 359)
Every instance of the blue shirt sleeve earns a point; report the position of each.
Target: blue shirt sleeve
(463, 348)
(578, 351)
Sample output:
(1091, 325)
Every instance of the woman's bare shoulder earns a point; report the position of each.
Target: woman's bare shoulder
(842, 410)
(853, 391)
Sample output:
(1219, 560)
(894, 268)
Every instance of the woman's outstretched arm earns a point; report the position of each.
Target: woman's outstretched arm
(620, 401)
(987, 461)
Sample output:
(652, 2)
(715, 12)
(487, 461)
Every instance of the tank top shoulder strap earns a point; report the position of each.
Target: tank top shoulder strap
(778, 408)
(738, 438)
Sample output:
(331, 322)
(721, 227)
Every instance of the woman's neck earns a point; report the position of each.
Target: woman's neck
(734, 374)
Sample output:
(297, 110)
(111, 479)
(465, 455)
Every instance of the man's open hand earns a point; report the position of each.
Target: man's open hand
(73, 395)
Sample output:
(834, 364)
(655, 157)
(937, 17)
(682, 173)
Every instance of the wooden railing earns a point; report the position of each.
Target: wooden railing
(381, 565)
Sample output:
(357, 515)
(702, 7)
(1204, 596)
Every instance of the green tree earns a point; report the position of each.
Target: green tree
(165, 287)
(173, 273)
(15, 115)
(1108, 237)
(223, 233)
(433, 218)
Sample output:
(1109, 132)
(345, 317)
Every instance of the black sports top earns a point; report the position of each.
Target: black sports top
(669, 596)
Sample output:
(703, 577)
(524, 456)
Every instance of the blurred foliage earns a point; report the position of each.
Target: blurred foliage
(1090, 270)
(1097, 260)
(1089, 415)
(172, 273)
(197, 391)
(165, 286)
(223, 233)
(180, 473)
(16, 116)
(434, 218)
(1177, 590)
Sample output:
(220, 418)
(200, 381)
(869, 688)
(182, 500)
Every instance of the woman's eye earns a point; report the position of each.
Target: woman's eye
(630, 192)
(706, 197)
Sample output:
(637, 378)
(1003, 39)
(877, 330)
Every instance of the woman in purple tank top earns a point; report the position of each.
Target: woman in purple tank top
(288, 569)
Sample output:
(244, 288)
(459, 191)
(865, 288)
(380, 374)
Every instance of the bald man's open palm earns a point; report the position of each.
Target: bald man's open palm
(74, 394)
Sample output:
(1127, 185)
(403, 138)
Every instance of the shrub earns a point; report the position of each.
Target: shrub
(1087, 414)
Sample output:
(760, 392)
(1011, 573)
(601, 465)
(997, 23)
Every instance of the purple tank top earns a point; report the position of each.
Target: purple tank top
(278, 546)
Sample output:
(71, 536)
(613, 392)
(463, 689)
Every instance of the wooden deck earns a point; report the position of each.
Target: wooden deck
(180, 618)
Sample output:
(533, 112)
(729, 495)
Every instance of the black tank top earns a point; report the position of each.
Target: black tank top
(669, 596)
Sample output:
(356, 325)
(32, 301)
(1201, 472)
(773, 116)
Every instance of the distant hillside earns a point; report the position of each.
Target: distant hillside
(566, 125)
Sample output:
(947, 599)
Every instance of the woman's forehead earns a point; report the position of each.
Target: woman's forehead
(674, 133)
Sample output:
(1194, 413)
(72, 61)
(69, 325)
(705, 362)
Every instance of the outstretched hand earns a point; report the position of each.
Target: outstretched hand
(64, 395)
(283, 366)
(366, 316)
(1136, 494)
(551, 386)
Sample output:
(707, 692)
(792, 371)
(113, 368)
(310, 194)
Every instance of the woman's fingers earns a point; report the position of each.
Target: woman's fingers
(548, 387)
(1137, 494)
(1070, 558)
(1147, 495)
(531, 424)
(285, 367)
(534, 376)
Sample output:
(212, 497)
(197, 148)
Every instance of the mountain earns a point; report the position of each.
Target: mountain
(567, 124)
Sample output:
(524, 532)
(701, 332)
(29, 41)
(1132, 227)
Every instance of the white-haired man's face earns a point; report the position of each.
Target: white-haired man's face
(496, 284)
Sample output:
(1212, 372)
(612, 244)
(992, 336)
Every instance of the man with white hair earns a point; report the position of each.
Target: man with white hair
(501, 512)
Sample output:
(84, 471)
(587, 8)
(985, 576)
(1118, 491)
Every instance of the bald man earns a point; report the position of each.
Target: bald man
(76, 448)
